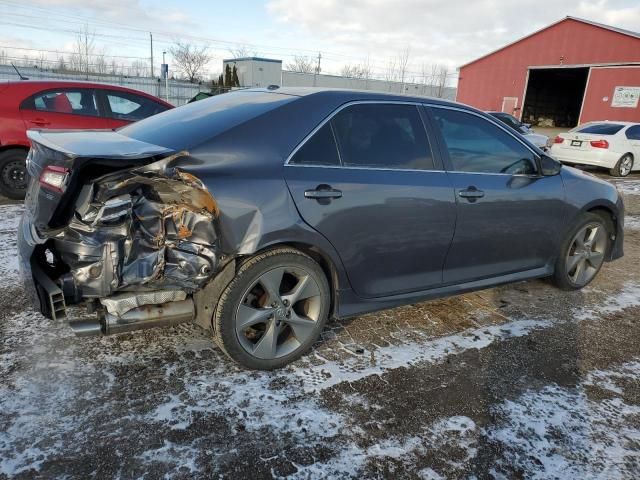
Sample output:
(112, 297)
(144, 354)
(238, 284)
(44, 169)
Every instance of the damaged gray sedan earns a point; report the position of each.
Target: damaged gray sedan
(258, 214)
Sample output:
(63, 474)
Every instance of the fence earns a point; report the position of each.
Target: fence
(179, 93)
(295, 79)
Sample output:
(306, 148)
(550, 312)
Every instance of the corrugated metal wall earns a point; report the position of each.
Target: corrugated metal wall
(179, 92)
(485, 82)
(599, 95)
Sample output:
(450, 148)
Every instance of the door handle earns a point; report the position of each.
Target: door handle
(323, 192)
(41, 122)
(471, 194)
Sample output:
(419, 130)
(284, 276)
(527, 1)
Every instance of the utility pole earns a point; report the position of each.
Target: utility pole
(317, 69)
(151, 37)
(165, 72)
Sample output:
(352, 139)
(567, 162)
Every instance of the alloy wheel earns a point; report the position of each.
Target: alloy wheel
(278, 312)
(586, 254)
(626, 165)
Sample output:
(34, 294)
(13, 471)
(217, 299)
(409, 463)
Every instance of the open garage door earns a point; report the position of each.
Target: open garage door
(554, 96)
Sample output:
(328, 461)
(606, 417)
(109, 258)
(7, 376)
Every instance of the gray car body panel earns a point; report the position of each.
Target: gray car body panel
(243, 167)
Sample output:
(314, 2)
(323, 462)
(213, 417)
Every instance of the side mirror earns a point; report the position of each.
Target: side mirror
(549, 166)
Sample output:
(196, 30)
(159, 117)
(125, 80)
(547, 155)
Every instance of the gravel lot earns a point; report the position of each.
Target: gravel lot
(511, 382)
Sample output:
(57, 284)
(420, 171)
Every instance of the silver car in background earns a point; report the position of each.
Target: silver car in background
(540, 141)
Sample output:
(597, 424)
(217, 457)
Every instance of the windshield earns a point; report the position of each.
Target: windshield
(192, 124)
(510, 121)
(602, 128)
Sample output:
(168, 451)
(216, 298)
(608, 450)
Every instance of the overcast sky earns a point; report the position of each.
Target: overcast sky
(449, 32)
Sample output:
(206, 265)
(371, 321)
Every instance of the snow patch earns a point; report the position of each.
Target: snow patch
(562, 433)
(628, 297)
(378, 361)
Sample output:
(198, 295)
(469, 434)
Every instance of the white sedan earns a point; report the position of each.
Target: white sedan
(612, 145)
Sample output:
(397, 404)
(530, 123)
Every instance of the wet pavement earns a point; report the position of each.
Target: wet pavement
(520, 381)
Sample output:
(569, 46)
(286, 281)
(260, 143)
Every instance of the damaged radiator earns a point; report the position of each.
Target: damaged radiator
(149, 230)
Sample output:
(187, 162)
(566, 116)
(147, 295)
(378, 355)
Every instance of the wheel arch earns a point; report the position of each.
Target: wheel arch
(323, 259)
(4, 148)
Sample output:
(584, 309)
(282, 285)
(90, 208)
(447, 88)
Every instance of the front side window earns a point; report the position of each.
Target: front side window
(633, 133)
(78, 102)
(126, 106)
(382, 136)
(320, 149)
(476, 145)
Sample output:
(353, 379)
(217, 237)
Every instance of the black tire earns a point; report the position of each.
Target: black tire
(621, 169)
(13, 174)
(562, 277)
(234, 298)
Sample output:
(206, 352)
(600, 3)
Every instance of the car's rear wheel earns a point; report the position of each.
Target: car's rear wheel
(623, 167)
(13, 173)
(273, 310)
(583, 253)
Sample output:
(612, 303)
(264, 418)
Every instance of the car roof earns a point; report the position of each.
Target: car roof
(347, 92)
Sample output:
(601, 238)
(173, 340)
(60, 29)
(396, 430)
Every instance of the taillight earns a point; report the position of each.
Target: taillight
(54, 178)
(558, 139)
(599, 143)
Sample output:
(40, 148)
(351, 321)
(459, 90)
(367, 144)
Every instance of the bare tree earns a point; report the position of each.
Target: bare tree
(403, 60)
(390, 73)
(84, 49)
(358, 70)
(441, 80)
(4, 59)
(139, 68)
(302, 64)
(190, 60)
(62, 64)
(242, 51)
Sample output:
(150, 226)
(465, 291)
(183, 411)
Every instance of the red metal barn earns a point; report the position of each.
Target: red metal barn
(571, 72)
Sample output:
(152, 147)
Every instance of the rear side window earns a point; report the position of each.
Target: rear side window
(382, 136)
(130, 107)
(602, 129)
(633, 133)
(320, 149)
(78, 102)
(476, 145)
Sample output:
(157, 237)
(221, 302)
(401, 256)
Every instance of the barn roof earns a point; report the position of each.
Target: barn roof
(568, 17)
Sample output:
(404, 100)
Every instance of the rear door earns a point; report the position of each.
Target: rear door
(508, 216)
(368, 181)
(63, 108)
(633, 135)
(122, 108)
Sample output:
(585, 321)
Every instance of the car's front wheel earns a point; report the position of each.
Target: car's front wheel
(13, 174)
(583, 253)
(273, 310)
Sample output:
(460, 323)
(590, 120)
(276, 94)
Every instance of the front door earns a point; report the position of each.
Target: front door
(633, 135)
(368, 181)
(509, 216)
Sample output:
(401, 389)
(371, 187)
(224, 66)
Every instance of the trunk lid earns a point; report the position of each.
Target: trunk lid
(83, 155)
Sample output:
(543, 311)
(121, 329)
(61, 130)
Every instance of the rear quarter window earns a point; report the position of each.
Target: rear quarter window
(194, 123)
(602, 129)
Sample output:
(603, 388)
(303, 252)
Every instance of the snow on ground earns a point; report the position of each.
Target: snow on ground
(428, 350)
(632, 222)
(628, 296)
(9, 219)
(628, 187)
(565, 433)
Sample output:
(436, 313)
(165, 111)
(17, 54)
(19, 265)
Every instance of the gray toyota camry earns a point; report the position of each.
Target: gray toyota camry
(258, 214)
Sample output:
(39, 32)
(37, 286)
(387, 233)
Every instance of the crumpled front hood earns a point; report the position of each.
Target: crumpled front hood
(95, 143)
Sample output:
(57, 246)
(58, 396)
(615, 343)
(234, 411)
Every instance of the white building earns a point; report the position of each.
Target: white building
(262, 72)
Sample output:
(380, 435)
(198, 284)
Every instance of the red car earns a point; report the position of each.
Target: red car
(27, 105)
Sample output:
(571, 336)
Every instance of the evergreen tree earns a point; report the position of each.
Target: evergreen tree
(236, 81)
(221, 81)
(228, 77)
